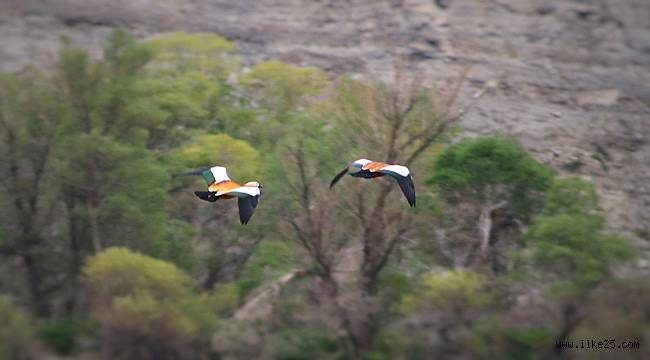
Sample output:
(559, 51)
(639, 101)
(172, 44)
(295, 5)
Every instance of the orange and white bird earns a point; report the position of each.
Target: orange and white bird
(367, 169)
(221, 187)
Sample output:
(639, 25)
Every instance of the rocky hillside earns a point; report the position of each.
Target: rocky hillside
(568, 78)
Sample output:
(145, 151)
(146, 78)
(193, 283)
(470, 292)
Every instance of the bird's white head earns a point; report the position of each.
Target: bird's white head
(359, 163)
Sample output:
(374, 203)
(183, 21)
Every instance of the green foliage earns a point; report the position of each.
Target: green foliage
(643, 233)
(60, 332)
(364, 114)
(149, 298)
(142, 313)
(395, 284)
(398, 343)
(118, 271)
(270, 259)
(200, 53)
(100, 93)
(16, 331)
(241, 159)
(491, 169)
(223, 299)
(490, 339)
(454, 290)
(281, 87)
(144, 92)
(571, 195)
(125, 189)
(621, 305)
(304, 343)
(306, 137)
(569, 238)
(186, 81)
(575, 248)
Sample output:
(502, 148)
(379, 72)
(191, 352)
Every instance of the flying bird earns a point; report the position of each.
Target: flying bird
(220, 186)
(368, 169)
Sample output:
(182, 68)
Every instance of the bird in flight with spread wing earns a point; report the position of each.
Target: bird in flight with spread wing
(221, 187)
(368, 169)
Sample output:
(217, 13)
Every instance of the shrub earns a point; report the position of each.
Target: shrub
(454, 290)
(147, 305)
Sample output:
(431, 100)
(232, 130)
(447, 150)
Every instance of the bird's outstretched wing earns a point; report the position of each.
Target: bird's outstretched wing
(246, 208)
(206, 196)
(408, 188)
(247, 198)
(338, 177)
(192, 172)
(404, 179)
(210, 174)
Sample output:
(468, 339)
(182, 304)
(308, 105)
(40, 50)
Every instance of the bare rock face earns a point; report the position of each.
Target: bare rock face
(568, 78)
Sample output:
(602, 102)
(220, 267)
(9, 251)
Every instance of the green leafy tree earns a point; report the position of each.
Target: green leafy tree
(270, 260)
(439, 313)
(569, 244)
(114, 187)
(228, 245)
(147, 306)
(574, 196)
(490, 173)
(187, 80)
(282, 87)
(31, 114)
(207, 54)
(123, 192)
(396, 122)
(496, 338)
(80, 172)
(569, 236)
(241, 159)
(453, 292)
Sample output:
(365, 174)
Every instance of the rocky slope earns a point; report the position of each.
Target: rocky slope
(568, 78)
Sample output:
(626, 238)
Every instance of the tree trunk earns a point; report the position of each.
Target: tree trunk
(350, 339)
(485, 226)
(35, 277)
(211, 279)
(94, 228)
(75, 258)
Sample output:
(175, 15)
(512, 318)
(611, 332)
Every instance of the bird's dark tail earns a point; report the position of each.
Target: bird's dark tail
(206, 195)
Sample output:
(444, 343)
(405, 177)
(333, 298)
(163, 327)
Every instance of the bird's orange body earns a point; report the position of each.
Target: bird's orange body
(223, 186)
(374, 168)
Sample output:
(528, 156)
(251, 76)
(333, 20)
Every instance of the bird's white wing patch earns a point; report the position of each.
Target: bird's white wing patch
(244, 191)
(361, 162)
(219, 173)
(397, 169)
